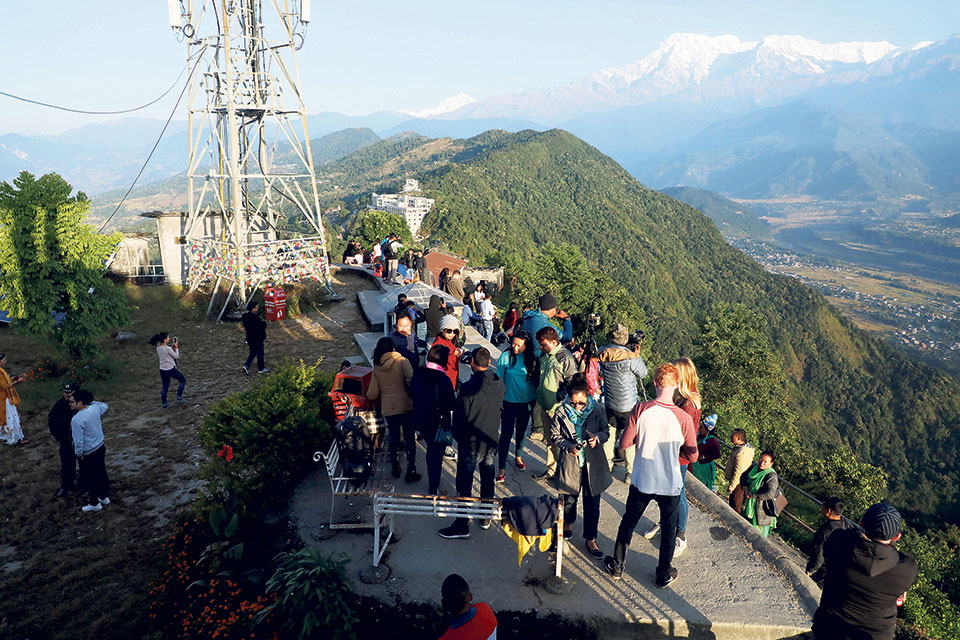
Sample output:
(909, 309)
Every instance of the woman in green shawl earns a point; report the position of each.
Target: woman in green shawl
(761, 486)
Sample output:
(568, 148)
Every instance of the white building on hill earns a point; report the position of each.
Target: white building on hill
(411, 186)
(412, 208)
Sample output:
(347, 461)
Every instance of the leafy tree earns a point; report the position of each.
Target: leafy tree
(371, 227)
(52, 265)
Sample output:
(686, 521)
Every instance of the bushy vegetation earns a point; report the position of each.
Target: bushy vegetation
(52, 265)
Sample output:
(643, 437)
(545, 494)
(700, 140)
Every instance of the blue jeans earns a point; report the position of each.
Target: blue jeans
(684, 509)
(513, 422)
(487, 329)
(165, 377)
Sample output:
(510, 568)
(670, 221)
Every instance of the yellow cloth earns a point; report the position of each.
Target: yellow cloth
(7, 391)
(524, 543)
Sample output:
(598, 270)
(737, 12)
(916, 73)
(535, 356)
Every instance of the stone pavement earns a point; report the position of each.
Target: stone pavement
(725, 589)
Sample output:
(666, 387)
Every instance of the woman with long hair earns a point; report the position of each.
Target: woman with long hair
(510, 320)
(169, 353)
(687, 397)
(10, 430)
(518, 369)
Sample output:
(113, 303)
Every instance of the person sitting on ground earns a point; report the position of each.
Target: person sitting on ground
(579, 429)
(476, 427)
(405, 341)
(738, 461)
(658, 429)
(866, 579)
(833, 513)
(557, 366)
(705, 468)
(467, 621)
(433, 403)
(518, 369)
(533, 321)
(391, 377)
(761, 485)
(469, 318)
(622, 370)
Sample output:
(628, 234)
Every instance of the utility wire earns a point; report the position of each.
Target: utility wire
(157, 143)
(100, 113)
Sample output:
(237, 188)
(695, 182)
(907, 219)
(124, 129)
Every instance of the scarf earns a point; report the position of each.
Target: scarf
(754, 478)
(578, 417)
(9, 392)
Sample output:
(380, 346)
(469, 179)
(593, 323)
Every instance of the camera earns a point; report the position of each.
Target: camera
(594, 320)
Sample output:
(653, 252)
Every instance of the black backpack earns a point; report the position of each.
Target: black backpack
(356, 447)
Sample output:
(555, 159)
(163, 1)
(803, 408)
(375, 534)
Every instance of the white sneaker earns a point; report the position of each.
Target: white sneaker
(104, 501)
(651, 532)
(681, 547)
(91, 507)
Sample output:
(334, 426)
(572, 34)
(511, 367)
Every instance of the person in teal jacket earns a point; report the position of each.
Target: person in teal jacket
(533, 321)
(517, 368)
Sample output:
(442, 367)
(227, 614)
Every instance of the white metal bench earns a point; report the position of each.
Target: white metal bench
(387, 505)
(342, 485)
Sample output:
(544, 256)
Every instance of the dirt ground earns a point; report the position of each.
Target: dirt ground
(67, 574)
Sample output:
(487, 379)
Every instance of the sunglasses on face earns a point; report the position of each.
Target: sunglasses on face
(579, 404)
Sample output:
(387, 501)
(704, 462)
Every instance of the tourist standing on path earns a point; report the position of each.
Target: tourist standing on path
(738, 461)
(518, 369)
(557, 367)
(467, 621)
(433, 404)
(834, 521)
(455, 285)
(533, 321)
(622, 369)
(658, 429)
(169, 352)
(255, 329)
(405, 340)
(579, 429)
(449, 335)
(58, 421)
(511, 319)
(866, 579)
(10, 429)
(476, 426)
(487, 313)
(708, 446)
(90, 449)
(392, 374)
(433, 315)
(761, 485)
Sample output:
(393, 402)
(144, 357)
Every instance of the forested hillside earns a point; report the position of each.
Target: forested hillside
(733, 219)
(506, 194)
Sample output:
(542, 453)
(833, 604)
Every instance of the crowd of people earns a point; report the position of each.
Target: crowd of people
(590, 408)
(388, 259)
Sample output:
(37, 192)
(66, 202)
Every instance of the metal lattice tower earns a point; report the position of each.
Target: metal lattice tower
(254, 214)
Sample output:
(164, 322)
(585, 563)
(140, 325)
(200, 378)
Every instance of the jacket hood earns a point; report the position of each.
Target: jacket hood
(873, 558)
(616, 353)
(434, 302)
(490, 378)
(390, 360)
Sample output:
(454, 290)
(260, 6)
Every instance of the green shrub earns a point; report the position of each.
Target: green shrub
(313, 597)
(260, 441)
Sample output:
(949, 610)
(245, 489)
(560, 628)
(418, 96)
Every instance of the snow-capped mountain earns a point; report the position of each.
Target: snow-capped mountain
(694, 67)
(447, 105)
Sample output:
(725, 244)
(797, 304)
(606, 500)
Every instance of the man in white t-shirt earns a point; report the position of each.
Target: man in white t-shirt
(660, 431)
(487, 313)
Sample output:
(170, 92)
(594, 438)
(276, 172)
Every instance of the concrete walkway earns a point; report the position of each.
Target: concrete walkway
(725, 589)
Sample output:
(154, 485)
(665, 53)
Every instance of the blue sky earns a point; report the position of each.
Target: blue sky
(361, 57)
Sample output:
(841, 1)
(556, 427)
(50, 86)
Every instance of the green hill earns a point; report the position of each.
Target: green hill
(504, 194)
(734, 220)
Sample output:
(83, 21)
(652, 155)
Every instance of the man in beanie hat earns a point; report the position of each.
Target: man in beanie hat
(58, 421)
(533, 321)
(866, 576)
(622, 368)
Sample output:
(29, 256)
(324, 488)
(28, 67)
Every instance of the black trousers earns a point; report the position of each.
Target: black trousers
(636, 504)
(401, 426)
(591, 508)
(93, 475)
(256, 350)
(469, 457)
(68, 465)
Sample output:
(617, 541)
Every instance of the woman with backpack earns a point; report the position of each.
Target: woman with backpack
(168, 352)
(517, 367)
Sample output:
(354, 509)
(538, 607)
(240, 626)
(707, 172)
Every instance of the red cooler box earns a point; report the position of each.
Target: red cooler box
(275, 303)
(350, 388)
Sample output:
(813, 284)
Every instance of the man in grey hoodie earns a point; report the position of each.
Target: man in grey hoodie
(622, 368)
(88, 445)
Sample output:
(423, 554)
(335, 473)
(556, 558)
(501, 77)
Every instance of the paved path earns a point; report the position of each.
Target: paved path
(725, 587)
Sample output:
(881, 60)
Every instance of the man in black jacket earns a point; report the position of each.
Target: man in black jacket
(476, 427)
(866, 575)
(833, 512)
(256, 330)
(58, 420)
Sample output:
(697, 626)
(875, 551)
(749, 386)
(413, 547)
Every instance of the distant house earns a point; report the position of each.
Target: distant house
(437, 261)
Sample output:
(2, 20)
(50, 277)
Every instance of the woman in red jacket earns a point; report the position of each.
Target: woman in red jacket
(449, 328)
